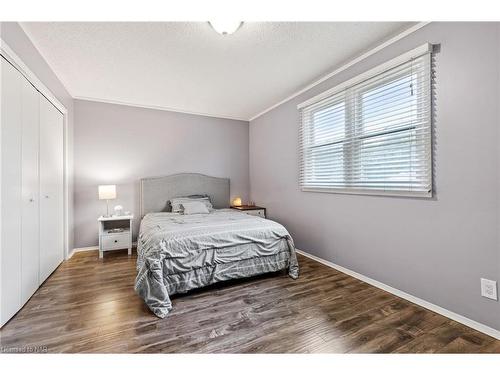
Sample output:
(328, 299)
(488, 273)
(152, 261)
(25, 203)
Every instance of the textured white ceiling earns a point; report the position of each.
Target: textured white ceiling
(187, 66)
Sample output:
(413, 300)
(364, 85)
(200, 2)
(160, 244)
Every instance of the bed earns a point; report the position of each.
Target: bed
(178, 253)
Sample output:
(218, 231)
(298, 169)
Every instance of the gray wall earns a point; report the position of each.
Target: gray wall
(435, 249)
(117, 144)
(19, 42)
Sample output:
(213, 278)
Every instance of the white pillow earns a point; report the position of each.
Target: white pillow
(195, 207)
(176, 203)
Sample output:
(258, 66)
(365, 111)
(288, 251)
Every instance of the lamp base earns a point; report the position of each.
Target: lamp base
(107, 209)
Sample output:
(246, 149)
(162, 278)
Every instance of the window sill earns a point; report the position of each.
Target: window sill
(385, 193)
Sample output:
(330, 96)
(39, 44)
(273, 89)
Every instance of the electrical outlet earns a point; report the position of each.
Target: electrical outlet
(489, 289)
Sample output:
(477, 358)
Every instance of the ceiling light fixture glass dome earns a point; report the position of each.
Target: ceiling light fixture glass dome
(225, 27)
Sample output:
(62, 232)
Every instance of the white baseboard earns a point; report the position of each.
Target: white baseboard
(90, 248)
(428, 305)
(79, 249)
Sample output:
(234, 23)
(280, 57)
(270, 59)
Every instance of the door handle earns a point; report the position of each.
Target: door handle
(32, 200)
(47, 197)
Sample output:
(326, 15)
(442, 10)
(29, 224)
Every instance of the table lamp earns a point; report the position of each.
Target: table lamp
(107, 192)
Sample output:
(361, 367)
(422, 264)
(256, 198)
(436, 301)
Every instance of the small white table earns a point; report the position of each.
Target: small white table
(115, 232)
(251, 210)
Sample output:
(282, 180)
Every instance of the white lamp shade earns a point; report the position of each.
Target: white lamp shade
(107, 191)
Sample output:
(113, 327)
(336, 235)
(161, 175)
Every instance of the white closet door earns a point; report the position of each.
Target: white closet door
(30, 252)
(11, 86)
(51, 188)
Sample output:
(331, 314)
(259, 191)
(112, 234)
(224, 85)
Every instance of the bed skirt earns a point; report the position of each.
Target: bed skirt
(156, 287)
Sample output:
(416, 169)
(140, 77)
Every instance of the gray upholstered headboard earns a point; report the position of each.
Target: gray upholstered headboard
(156, 191)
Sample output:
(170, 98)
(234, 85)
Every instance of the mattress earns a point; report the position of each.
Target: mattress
(178, 253)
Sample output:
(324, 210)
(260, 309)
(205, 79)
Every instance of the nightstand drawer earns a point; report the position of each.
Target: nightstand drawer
(260, 213)
(116, 241)
(251, 210)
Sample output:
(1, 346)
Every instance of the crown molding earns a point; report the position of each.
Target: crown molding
(47, 61)
(354, 61)
(9, 54)
(159, 108)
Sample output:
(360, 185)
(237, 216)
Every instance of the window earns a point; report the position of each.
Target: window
(372, 134)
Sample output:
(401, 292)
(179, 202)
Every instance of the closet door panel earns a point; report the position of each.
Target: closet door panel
(10, 191)
(30, 252)
(51, 188)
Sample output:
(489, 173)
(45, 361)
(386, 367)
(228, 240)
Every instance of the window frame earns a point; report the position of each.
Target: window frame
(350, 127)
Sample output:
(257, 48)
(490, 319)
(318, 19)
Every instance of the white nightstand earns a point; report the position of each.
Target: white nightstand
(251, 210)
(115, 233)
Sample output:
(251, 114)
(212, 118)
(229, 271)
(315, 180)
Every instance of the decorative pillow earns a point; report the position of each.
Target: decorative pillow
(195, 207)
(176, 203)
(197, 196)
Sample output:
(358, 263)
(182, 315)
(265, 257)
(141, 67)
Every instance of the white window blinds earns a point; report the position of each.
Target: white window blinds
(371, 135)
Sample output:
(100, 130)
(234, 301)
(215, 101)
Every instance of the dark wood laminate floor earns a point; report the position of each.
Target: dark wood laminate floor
(89, 305)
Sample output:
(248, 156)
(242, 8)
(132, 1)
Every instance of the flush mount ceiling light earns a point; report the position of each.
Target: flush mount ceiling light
(225, 27)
